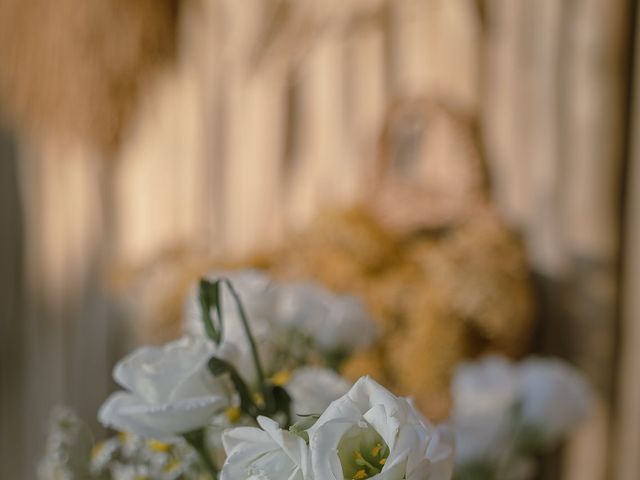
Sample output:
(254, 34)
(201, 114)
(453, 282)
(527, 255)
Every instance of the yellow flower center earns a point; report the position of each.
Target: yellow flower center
(258, 399)
(171, 466)
(360, 474)
(97, 448)
(158, 446)
(281, 378)
(233, 414)
(363, 452)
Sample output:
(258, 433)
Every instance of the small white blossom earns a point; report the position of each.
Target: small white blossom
(67, 449)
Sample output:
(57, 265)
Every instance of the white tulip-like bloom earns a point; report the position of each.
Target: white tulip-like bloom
(371, 433)
(169, 390)
(312, 389)
(269, 453)
(333, 322)
(555, 397)
(484, 394)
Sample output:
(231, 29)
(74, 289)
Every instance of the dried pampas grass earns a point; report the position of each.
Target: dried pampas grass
(440, 296)
(74, 68)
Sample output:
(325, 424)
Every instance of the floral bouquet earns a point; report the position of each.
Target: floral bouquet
(251, 392)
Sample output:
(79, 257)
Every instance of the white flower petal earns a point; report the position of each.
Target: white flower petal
(127, 412)
(267, 454)
(171, 390)
(334, 322)
(369, 411)
(312, 389)
(555, 396)
(485, 393)
(152, 372)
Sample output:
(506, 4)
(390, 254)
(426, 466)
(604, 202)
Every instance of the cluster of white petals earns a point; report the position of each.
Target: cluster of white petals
(265, 453)
(225, 402)
(495, 401)
(169, 391)
(366, 433)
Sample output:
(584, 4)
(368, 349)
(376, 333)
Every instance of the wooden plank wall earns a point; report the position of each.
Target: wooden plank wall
(273, 110)
(626, 443)
(11, 307)
(261, 131)
(69, 326)
(555, 113)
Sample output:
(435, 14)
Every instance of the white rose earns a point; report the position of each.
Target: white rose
(169, 390)
(484, 396)
(555, 397)
(312, 389)
(333, 322)
(371, 433)
(267, 454)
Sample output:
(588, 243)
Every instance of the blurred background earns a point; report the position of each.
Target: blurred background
(142, 139)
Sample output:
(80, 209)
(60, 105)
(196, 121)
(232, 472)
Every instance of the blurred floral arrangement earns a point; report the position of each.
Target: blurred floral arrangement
(505, 415)
(251, 391)
(437, 297)
(424, 249)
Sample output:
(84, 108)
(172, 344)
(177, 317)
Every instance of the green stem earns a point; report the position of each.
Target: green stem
(197, 440)
(252, 343)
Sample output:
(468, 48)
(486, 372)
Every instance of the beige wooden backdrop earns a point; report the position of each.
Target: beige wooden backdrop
(271, 113)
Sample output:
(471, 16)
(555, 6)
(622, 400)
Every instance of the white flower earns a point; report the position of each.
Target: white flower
(259, 299)
(282, 318)
(371, 433)
(312, 389)
(257, 293)
(169, 390)
(267, 454)
(485, 394)
(555, 397)
(333, 322)
(494, 399)
(67, 448)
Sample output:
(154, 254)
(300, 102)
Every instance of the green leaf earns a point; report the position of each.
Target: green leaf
(282, 402)
(477, 470)
(197, 440)
(300, 427)
(218, 367)
(530, 440)
(210, 298)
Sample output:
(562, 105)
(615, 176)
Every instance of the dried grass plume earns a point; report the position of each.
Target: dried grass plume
(73, 68)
